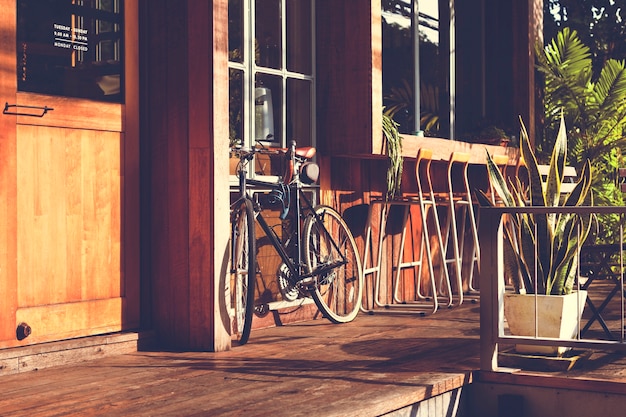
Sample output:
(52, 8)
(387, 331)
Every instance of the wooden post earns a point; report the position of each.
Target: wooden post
(185, 154)
(491, 286)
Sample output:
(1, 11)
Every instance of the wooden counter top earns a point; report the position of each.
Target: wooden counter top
(442, 148)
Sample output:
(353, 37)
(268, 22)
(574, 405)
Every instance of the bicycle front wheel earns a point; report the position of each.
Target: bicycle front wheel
(331, 250)
(243, 271)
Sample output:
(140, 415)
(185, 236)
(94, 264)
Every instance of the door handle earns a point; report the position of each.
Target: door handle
(7, 106)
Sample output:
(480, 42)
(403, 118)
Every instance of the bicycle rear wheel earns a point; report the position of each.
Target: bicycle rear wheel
(339, 285)
(243, 271)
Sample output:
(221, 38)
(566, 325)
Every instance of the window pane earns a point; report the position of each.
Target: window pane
(397, 66)
(299, 112)
(398, 71)
(299, 36)
(268, 34)
(235, 107)
(71, 48)
(267, 108)
(235, 31)
(432, 76)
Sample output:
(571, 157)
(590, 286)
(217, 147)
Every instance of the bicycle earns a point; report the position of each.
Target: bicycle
(319, 255)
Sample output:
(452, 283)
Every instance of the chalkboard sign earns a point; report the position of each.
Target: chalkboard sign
(71, 48)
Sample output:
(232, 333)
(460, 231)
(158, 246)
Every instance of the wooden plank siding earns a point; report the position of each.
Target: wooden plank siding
(185, 134)
(349, 77)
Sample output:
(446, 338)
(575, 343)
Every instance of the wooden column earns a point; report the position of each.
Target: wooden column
(349, 77)
(184, 146)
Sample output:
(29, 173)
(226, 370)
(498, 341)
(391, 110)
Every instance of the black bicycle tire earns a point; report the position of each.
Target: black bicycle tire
(245, 213)
(354, 264)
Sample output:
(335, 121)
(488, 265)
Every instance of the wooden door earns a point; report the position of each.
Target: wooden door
(69, 213)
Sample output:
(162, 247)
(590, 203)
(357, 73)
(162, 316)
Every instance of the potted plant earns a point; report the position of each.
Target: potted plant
(541, 250)
(492, 135)
(393, 148)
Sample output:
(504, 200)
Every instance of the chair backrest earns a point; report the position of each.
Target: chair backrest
(569, 177)
(422, 171)
(459, 160)
(501, 161)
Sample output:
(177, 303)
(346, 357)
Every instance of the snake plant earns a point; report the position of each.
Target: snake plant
(545, 243)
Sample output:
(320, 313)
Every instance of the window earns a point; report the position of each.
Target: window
(423, 30)
(271, 72)
(71, 48)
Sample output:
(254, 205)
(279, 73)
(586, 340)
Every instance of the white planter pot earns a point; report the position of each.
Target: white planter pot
(558, 317)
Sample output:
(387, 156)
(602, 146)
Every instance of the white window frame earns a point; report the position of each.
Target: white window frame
(414, 6)
(249, 70)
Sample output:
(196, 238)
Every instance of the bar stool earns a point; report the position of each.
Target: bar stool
(459, 200)
(427, 209)
(394, 210)
(421, 303)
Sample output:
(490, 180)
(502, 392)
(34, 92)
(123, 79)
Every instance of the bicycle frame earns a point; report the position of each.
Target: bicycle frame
(302, 205)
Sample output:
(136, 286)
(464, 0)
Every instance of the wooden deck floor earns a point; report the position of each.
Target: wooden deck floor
(374, 365)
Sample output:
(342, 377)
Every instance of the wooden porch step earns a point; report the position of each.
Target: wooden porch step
(45, 355)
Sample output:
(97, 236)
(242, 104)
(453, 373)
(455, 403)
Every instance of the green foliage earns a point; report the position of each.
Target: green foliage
(400, 101)
(545, 243)
(393, 142)
(600, 24)
(594, 111)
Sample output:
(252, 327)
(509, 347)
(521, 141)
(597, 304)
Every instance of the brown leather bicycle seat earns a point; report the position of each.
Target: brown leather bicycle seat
(307, 152)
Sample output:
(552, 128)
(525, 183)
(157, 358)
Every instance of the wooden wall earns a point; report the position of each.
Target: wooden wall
(349, 77)
(185, 158)
(184, 132)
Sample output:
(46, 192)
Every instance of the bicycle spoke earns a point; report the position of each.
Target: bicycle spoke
(243, 271)
(332, 256)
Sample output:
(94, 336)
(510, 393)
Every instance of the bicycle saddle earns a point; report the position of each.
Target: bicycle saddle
(306, 152)
(303, 154)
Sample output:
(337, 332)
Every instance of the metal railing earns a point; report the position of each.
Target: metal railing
(493, 332)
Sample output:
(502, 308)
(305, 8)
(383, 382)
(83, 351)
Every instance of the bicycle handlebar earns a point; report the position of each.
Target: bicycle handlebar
(248, 153)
